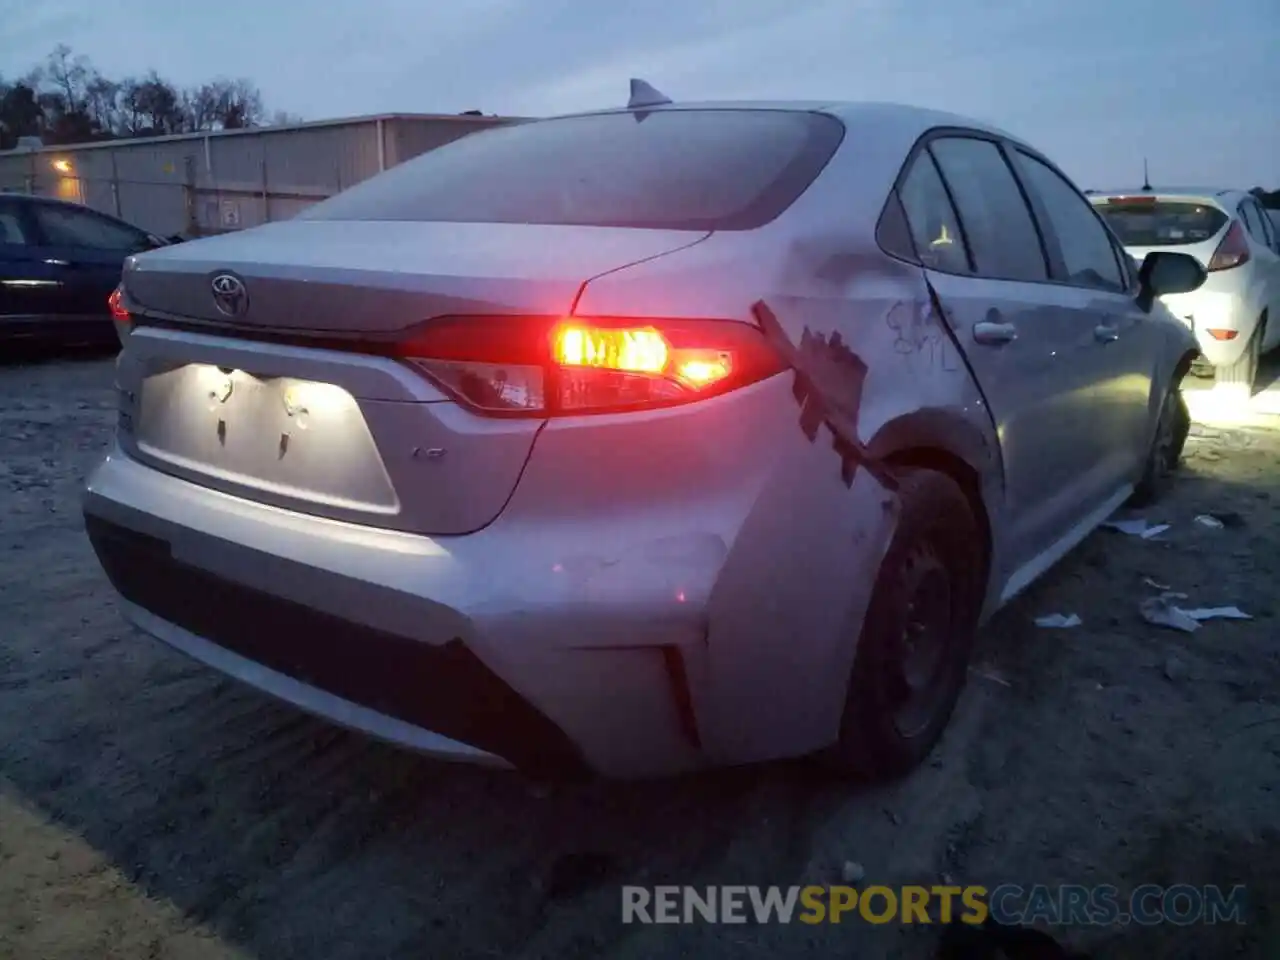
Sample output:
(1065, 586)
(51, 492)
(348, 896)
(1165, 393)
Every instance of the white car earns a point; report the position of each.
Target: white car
(1239, 244)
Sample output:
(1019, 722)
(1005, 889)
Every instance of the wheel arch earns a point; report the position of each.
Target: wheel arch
(1183, 366)
(951, 445)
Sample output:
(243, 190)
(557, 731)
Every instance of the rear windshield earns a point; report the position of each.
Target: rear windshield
(675, 170)
(1139, 222)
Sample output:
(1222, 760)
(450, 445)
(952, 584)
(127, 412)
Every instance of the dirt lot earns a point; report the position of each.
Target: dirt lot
(150, 809)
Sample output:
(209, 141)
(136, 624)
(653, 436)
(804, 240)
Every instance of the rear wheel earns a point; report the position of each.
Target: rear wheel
(913, 653)
(1166, 448)
(1245, 370)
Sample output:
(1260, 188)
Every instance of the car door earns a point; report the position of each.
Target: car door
(986, 263)
(1100, 297)
(31, 291)
(89, 250)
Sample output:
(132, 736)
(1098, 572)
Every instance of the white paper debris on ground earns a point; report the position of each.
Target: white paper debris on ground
(1201, 432)
(987, 673)
(1133, 528)
(1217, 613)
(1162, 612)
(1137, 528)
(1210, 521)
(1058, 621)
(1155, 584)
(852, 872)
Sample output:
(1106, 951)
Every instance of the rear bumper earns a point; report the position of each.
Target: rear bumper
(679, 604)
(386, 684)
(394, 634)
(1219, 305)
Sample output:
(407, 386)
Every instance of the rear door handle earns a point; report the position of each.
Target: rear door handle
(1105, 334)
(994, 332)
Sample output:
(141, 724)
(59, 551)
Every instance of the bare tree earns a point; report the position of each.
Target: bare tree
(102, 103)
(68, 101)
(201, 107)
(239, 104)
(151, 106)
(19, 113)
(67, 75)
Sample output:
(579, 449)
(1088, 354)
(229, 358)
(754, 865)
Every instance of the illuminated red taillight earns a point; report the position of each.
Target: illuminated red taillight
(523, 366)
(1232, 251)
(115, 303)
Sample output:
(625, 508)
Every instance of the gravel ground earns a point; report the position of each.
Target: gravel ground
(150, 809)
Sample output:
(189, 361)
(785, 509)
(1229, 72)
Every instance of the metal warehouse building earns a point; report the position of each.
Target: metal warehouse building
(202, 183)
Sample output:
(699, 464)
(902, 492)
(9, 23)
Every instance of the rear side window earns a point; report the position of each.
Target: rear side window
(1268, 227)
(12, 230)
(1087, 252)
(72, 227)
(935, 229)
(1252, 217)
(1002, 236)
(666, 169)
(1153, 222)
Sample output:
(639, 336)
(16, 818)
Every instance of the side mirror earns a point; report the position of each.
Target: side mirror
(1164, 273)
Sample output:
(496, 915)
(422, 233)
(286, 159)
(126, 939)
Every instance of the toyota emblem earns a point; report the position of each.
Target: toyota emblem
(229, 295)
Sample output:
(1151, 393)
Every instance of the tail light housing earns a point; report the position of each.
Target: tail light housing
(119, 313)
(1232, 251)
(115, 303)
(569, 366)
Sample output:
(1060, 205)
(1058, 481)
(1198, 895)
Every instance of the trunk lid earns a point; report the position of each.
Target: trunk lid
(378, 277)
(318, 429)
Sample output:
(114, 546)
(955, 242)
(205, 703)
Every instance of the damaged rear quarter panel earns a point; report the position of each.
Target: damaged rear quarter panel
(787, 607)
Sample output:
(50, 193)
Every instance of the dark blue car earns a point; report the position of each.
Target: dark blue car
(59, 263)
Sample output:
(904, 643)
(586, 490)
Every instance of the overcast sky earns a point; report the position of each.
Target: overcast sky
(1097, 84)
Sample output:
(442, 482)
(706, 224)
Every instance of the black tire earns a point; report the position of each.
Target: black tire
(930, 584)
(1245, 370)
(1165, 453)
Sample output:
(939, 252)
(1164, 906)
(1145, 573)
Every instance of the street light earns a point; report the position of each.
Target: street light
(62, 165)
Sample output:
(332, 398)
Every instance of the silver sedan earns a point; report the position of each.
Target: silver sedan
(639, 441)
